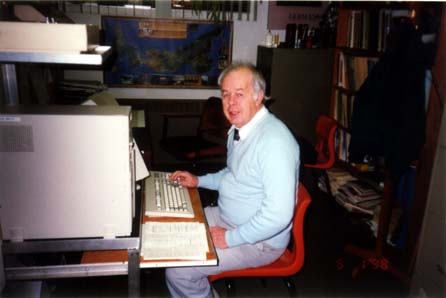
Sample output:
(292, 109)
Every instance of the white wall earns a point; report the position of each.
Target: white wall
(247, 35)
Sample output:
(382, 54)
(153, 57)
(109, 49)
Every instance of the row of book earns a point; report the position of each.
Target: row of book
(343, 107)
(353, 70)
(349, 192)
(342, 143)
(368, 29)
(362, 29)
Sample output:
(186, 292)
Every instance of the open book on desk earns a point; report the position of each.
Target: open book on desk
(174, 240)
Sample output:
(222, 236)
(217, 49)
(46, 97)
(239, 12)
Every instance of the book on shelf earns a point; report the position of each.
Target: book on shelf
(353, 70)
(341, 79)
(342, 143)
(387, 19)
(368, 29)
(362, 29)
(343, 107)
(384, 28)
(361, 69)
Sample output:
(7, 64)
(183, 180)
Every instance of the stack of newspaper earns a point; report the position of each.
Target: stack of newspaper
(336, 178)
(357, 196)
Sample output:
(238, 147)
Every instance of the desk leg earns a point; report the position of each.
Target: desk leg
(10, 84)
(2, 269)
(133, 273)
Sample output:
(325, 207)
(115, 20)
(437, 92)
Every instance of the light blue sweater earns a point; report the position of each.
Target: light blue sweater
(257, 189)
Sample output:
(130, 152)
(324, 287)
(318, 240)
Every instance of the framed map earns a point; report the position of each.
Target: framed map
(166, 52)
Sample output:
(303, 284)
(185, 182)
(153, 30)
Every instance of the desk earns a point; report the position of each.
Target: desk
(122, 257)
(211, 256)
(105, 257)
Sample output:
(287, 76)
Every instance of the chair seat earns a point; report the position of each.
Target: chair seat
(185, 147)
(281, 267)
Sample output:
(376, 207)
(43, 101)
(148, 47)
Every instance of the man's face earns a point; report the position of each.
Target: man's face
(239, 102)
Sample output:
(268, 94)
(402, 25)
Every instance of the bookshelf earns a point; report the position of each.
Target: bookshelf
(361, 41)
(423, 15)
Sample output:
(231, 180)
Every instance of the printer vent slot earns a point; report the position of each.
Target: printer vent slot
(16, 138)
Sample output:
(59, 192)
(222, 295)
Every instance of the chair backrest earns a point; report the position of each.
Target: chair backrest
(325, 138)
(213, 121)
(297, 247)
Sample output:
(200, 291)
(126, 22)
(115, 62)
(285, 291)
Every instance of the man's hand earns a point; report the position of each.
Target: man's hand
(218, 236)
(184, 178)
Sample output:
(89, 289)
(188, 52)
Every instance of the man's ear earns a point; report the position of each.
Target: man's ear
(260, 96)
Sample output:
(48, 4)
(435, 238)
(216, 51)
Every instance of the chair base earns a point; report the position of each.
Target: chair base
(231, 290)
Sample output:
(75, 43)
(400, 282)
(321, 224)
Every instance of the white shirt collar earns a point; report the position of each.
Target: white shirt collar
(244, 131)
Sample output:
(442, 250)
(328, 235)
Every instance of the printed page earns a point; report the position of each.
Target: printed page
(174, 240)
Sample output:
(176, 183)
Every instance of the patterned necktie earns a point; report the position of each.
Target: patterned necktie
(236, 135)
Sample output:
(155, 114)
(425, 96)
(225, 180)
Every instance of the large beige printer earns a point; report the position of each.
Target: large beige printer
(47, 37)
(66, 172)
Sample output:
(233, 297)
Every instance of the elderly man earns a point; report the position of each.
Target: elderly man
(251, 225)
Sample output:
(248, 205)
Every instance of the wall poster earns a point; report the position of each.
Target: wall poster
(281, 13)
(166, 52)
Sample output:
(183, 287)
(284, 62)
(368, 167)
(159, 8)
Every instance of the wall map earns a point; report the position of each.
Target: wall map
(166, 52)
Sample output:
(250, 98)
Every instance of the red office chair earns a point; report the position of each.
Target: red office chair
(326, 128)
(291, 260)
(325, 142)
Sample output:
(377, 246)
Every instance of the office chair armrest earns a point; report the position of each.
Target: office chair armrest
(322, 166)
(168, 116)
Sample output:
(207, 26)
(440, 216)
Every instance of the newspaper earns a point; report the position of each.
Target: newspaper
(174, 240)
